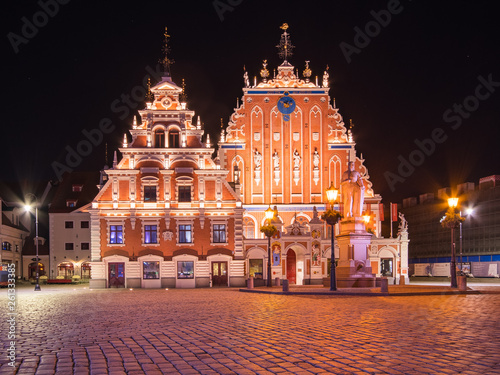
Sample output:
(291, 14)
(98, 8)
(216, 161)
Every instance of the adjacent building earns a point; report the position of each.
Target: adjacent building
(477, 242)
(69, 223)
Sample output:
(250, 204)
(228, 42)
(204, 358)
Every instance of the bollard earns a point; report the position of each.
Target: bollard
(277, 281)
(402, 280)
(462, 283)
(250, 283)
(384, 285)
(285, 285)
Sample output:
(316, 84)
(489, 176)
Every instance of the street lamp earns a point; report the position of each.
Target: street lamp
(469, 212)
(269, 214)
(332, 217)
(28, 207)
(452, 221)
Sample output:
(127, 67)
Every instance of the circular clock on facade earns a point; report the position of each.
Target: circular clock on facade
(286, 104)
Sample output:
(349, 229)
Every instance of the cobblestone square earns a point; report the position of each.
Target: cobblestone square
(74, 330)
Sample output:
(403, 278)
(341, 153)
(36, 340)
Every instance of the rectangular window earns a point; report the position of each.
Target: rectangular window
(6, 246)
(70, 203)
(85, 246)
(150, 270)
(69, 246)
(185, 270)
(149, 193)
(115, 234)
(185, 234)
(184, 193)
(219, 233)
(84, 224)
(77, 188)
(256, 268)
(68, 224)
(150, 234)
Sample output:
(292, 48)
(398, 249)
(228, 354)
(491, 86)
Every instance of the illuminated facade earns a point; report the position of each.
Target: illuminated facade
(171, 216)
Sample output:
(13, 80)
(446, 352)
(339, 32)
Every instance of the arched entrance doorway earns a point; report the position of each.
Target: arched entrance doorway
(66, 269)
(32, 270)
(291, 266)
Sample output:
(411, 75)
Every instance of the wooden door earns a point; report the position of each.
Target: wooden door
(116, 275)
(219, 273)
(291, 261)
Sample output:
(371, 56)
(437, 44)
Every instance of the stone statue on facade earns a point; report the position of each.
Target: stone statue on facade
(296, 160)
(403, 226)
(316, 159)
(353, 192)
(276, 161)
(257, 159)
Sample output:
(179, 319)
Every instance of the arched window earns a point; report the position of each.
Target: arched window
(248, 227)
(159, 138)
(173, 138)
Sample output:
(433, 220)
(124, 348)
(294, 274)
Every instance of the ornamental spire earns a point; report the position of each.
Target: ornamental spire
(285, 46)
(165, 61)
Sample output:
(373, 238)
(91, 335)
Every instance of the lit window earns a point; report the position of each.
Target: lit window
(84, 224)
(115, 234)
(70, 203)
(85, 246)
(68, 224)
(185, 234)
(184, 193)
(151, 270)
(219, 233)
(77, 188)
(149, 193)
(69, 246)
(6, 246)
(150, 234)
(173, 139)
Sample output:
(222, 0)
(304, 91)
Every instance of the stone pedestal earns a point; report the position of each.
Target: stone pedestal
(354, 268)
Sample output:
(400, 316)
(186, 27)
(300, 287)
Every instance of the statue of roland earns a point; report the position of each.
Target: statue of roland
(353, 192)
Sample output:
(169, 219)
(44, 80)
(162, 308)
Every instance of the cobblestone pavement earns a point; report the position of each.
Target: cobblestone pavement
(66, 330)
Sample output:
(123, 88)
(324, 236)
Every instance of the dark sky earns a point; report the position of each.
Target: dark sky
(397, 88)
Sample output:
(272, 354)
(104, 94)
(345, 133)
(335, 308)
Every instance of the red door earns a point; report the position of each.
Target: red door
(116, 275)
(291, 260)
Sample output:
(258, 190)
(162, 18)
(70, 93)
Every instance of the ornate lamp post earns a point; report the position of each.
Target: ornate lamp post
(332, 216)
(452, 220)
(269, 230)
(28, 207)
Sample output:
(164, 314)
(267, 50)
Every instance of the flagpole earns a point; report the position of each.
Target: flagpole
(390, 213)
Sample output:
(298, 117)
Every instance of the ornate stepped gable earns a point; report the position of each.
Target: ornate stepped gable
(277, 147)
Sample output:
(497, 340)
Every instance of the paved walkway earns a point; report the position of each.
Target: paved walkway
(74, 330)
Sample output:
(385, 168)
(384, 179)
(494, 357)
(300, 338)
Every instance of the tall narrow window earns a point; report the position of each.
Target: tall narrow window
(184, 193)
(185, 234)
(219, 233)
(150, 234)
(173, 139)
(159, 138)
(115, 234)
(149, 193)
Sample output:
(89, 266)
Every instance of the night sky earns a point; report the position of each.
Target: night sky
(402, 84)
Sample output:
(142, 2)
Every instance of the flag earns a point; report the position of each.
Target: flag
(394, 212)
(381, 211)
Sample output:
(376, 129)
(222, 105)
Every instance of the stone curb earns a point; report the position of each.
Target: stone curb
(369, 294)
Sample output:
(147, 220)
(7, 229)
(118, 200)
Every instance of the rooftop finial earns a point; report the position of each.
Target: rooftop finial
(149, 95)
(307, 72)
(165, 61)
(183, 96)
(264, 73)
(285, 47)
